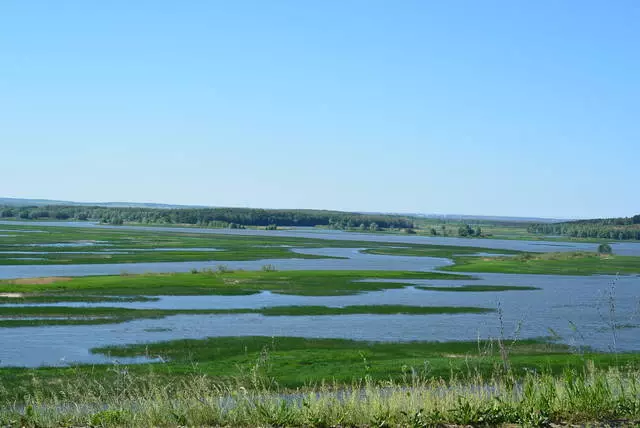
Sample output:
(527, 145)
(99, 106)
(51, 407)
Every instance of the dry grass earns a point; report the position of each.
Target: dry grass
(39, 281)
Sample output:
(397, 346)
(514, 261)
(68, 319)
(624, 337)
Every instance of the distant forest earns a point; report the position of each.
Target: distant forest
(623, 228)
(210, 217)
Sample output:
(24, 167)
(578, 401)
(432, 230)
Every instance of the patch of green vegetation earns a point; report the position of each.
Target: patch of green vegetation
(298, 361)
(156, 330)
(47, 298)
(149, 256)
(308, 283)
(565, 263)
(478, 288)
(136, 246)
(445, 251)
(583, 395)
(338, 383)
(63, 315)
(17, 316)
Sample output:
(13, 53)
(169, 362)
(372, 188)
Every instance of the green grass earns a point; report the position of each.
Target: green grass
(290, 362)
(571, 263)
(46, 298)
(479, 288)
(294, 361)
(446, 251)
(61, 315)
(587, 396)
(309, 283)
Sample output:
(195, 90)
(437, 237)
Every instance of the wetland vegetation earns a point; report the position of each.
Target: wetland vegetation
(255, 371)
(223, 282)
(569, 263)
(17, 316)
(301, 382)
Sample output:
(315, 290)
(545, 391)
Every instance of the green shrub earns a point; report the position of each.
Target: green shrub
(605, 249)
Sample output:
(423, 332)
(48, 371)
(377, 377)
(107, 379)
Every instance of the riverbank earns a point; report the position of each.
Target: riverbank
(506, 392)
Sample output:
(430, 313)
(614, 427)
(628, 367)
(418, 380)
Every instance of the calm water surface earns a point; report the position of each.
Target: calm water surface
(629, 248)
(562, 302)
(352, 259)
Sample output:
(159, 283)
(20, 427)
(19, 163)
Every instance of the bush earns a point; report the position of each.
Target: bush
(223, 269)
(605, 249)
(269, 268)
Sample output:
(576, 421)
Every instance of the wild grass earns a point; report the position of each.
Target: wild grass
(293, 362)
(578, 396)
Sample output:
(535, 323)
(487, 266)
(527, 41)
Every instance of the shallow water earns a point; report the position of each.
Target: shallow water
(622, 248)
(563, 301)
(353, 259)
(32, 346)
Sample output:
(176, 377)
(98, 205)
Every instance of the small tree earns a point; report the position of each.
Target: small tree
(605, 249)
(465, 230)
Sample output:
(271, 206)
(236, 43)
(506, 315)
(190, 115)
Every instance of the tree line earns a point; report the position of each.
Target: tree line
(622, 228)
(210, 217)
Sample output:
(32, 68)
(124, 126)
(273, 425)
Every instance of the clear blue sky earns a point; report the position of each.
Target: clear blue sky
(506, 107)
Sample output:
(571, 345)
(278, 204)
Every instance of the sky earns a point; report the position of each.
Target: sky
(517, 108)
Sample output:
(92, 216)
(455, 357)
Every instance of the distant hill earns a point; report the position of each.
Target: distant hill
(22, 202)
(25, 209)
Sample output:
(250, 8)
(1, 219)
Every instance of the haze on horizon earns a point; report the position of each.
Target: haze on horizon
(488, 108)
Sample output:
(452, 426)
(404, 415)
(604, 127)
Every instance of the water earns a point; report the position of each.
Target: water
(622, 248)
(561, 302)
(353, 260)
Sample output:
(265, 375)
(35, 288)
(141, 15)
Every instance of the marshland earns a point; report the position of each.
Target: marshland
(133, 325)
